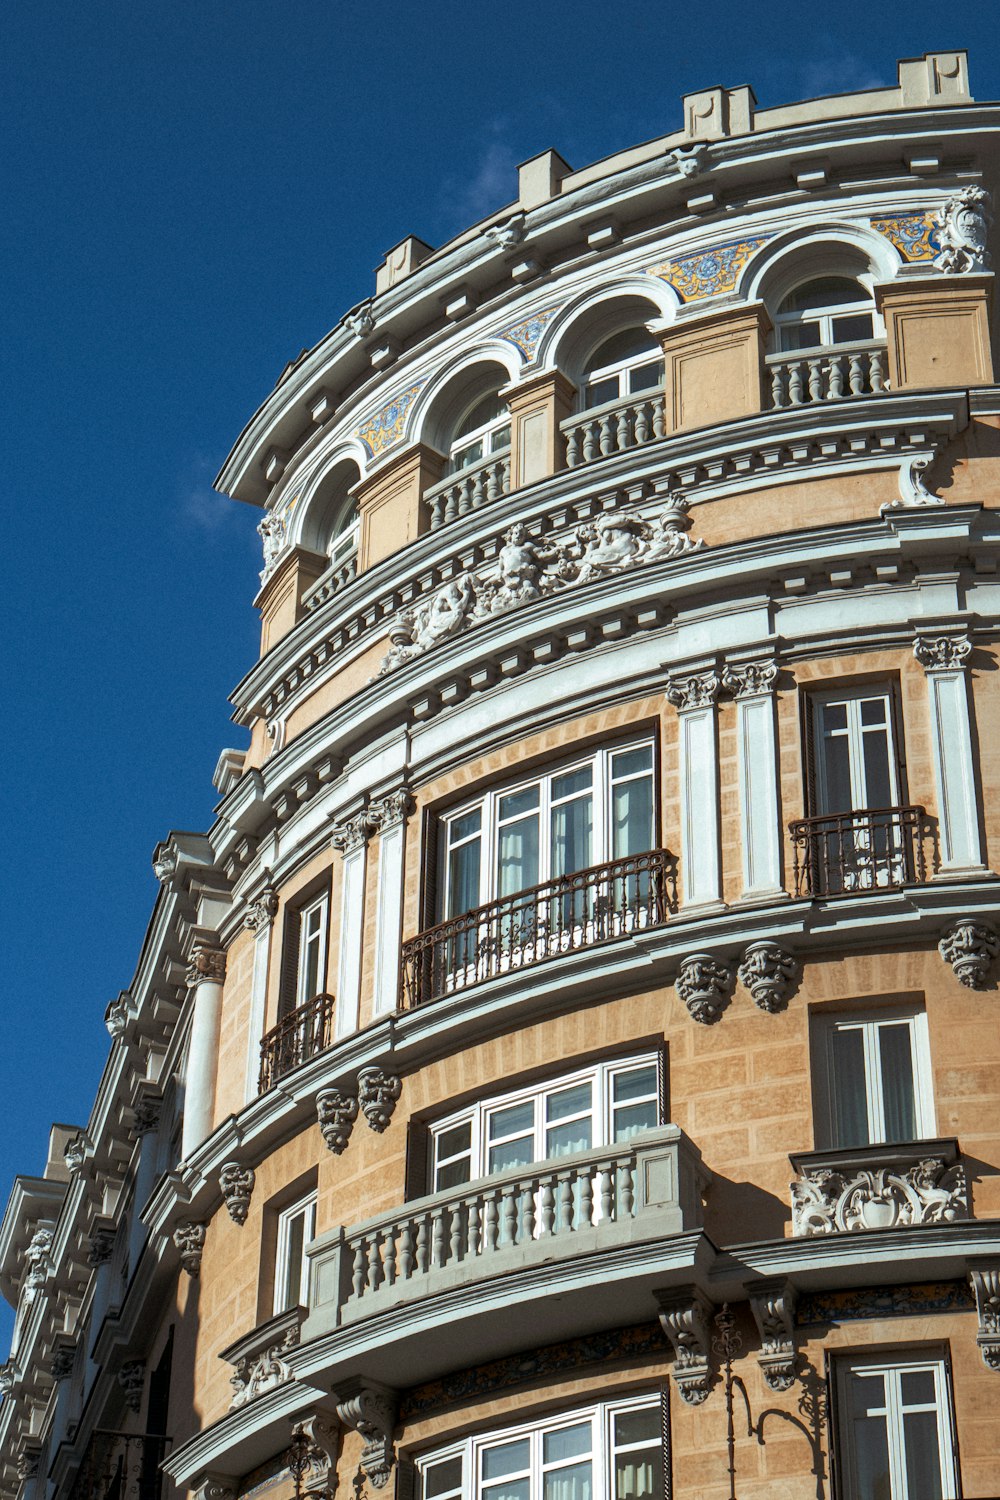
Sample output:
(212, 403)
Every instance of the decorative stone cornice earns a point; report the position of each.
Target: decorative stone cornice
(206, 964)
(942, 653)
(262, 912)
(696, 690)
(189, 1239)
(704, 984)
(877, 1188)
(970, 947)
(773, 1307)
(370, 1410)
(684, 1317)
(963, 228)
(336, 1112)
(132, 1379)
(749, 679)
(236, 1183)
(770, 973)
(377, 1095)
(385, 812)
(984, 1277)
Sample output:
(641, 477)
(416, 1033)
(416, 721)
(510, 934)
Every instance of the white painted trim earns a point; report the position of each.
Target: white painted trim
(352, 913)
(760, 826)
(258, 1007)
(389, 917)
(699, 784)
(954, 772)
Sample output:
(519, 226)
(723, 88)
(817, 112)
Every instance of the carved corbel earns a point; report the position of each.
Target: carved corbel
(684, 1316)
(190, 1241)
(984, 1277)
(970, 947)
(214, 1486)
(377, 1095)
(773, 1306)
(370, 1410)
(704, 983)
(146, 1113)
(237, 1183)
(312, 1457)
(770, 974)
(336, 1113)
(117, 1014)
(75, 1153)
(62, 1359)
(28, 1461)
(132, 1379)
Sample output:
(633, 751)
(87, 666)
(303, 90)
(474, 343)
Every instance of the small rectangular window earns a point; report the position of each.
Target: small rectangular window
(296, 1227)
(876, 1079)
(312, 950)
(894, 1428)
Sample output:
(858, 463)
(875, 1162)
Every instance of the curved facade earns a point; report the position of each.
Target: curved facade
(580, 1021)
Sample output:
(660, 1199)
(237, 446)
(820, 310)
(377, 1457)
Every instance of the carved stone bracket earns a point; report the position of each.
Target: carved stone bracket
(263, 1369)
(146, 1113)
(696, 690)
(970, 947)
(190, 1241)
(237, 1183)
(773, 1306)
(984, 1277)
(913, 491)
(132, 1379)
(704, 984)
(213, 1486)
(963, 232)
(370, 1410)
(868, 1190)
(377, 1095)
(770, 974)
(28, 1461)
(360, 320)
(38, 1260)
(386, 812)
(262, 912)
(9, 1374)
(273, 537)
(62, 1361)
(684, 1317)
(100, 1244)
(750, 679)
(508, 233)
(206, 963)
(942, 653)
(164, 862)
(336, 1113)
(116, 1015)
(75, 1153)
(316, 1438)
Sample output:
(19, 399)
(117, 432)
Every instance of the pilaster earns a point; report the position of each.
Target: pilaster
(538, 407)
(390, 504)
(388, 814)
(693, 696)
(752, 685)
(206, 976)
(714, 366)
(943, 658)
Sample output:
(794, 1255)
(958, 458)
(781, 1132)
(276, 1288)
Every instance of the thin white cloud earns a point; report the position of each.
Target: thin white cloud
(491, 183)
(199, 505)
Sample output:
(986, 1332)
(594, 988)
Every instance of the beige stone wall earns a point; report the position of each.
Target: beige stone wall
(938, 331)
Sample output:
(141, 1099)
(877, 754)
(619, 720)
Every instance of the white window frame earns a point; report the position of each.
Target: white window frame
(602, 1449)
(852, 698)
(303, 1206)
(825, 316)
(344, 542)
(487, 433)
(622, 370)
(868, 1022)
(488, 804)
(321, 906)
(601, 1077)
(892, 1366)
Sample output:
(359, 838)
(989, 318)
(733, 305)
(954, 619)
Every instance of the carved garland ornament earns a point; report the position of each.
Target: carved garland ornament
(528, 568)
(770, 974)
(970, 947)
(704, 983)
(825, 1201)
(336, 1113)
(377, 1095)
(237, 1183)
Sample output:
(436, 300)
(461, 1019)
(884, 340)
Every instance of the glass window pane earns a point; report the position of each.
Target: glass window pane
(853, 328)
(507, 1489)
(871, 1455)
(878, 781)
(800, 336)
(637, 1426)
(453, 1174)
(898, 1102)
(463, 877)
(454, 1142)
(631, 817)
(572, 782)
(646, 377)
(514, 804)
(834, 717)
(575, 1135)
(511, 1154)
(293, 1259)
(500, 439)
(917, 1387)
(567, 1102)
(835, 793)
(464, 826)
(922, 1452)
(600, 391)
(514, 1119)
(631, 1118)
(444, 1478)
(825, 291)
(466, 456)
(873, 711)
(634, 1083)
(506, 1458)
(568, 1442)
(517, 856)
(849, 1097)
(572, 835)
(571, 1483)
(631, 762)
(485, 410)
(639, 1475)
(631, 343)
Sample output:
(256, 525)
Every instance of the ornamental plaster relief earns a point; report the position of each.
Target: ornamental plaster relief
(963, 228)
(827, 1201)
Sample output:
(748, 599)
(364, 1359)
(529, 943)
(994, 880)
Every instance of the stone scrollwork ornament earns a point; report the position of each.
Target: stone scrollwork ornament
(370, 1410)
(913, 491)
(770, 974)
(395, 807)
(259, 1373)
(971, 948)
(237, 1183)
(985, 1279)
(963, 231)
(211, 1486)
(684, 1319)
(206, 964)
(262, 912)
(826, 1200)
(132, 1379)
(272, 534)
(377, 1095)
(704, 983)
(751, 679)
(336, 1113)
(773, 1307)
(508, 233)
(696, 690)
(942, 653)
(312, 1457)
(190, 1241)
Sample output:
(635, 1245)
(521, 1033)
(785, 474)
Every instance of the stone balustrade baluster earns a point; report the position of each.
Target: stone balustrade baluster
(422, 1244)
(455, 1244)
(472, 1224)
(626, 1194)
(492, 1229)
(437, 1237)
(573, 448)
(360, 1263)
(836, 387)
(778, 386)
(389, 1256)
(607, 1194)
(623, 434)
(374, 1264)
(565, 1202)
(547, 1206)
(406, 1251)
(591, 447)
(876, 370)
(857, 375)
(585, 1194)
(510, 1207)
(607, 431)
(795, 389)
(815, 380)
(527, 1226)
(642, 415)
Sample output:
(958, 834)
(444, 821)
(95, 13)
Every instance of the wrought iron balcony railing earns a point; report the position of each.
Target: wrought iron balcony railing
(543, 922)
(121, 1466)
(866, 850)
(297, 1037)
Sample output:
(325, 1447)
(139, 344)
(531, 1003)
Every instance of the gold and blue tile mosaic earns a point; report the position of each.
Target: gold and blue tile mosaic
(387, 426)
(915, 236)
(709, 273)
(526, 334)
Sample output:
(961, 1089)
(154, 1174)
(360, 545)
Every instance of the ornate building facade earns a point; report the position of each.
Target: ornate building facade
(569, 1064)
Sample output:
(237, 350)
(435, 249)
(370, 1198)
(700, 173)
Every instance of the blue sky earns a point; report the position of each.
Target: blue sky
(191, 194)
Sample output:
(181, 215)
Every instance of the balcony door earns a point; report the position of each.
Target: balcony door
(858, 841)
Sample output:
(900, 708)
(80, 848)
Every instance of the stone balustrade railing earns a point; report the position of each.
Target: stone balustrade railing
(338, 576)
(550, 1212)
(878, 1187)
(469, 489)
(811, 375)
(614, 428)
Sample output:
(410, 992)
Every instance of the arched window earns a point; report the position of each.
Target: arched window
(824, 313)
(482, 430)
(344, 540)
(625, 364)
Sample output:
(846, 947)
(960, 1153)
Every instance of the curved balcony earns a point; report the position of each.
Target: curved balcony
(614, 428)
(869, 849)
(469, 489)
(302, 1034)
(544, 922)
(121, 1466)
(808, 376)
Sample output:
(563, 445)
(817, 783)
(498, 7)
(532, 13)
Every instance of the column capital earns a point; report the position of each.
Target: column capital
(262, 912)
(693, 690)
(206, 964)
(750, 679)
(385, 812)
(942, 653)
(353, 833)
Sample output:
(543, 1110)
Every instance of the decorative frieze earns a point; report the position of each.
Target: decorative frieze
(370, 1410)
(984, 1277)
(878, 1187)
(704, 983)
(770, 973)
(236, 1183)
(528, 568)
(377, 1095)
(696, 690)
(262, 912)
(684, 1317)
(132, 1379)
(336, 1112)
(189, 1239)
(206, 964)
(970, 947)
(773, 1307)
(963, 228)
(750, 679)
(942, 653)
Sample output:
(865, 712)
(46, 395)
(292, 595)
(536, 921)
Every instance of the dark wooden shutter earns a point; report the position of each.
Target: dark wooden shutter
(406, 1479)
(832, 1427)
(417, 1180)
(290, 935)
(429, 908)
(810, 792)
